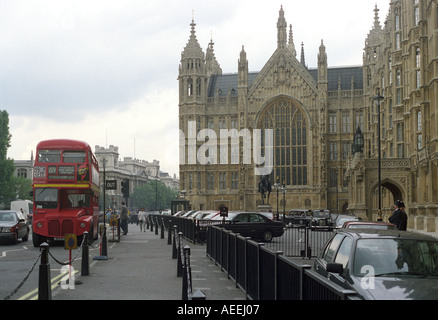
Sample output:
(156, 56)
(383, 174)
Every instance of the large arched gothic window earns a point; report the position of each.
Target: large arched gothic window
(290, 141)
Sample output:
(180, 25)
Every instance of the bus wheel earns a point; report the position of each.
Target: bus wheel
(37, 239)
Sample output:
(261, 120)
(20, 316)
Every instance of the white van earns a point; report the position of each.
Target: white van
(25, 205)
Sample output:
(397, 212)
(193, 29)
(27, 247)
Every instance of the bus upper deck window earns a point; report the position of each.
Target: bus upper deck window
(51, 156)
(73, 157)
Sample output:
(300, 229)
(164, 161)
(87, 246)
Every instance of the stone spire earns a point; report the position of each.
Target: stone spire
(213, 66)
(376, 18)
(282, 30)
(303, 60)
(192, 49)
(291, 41)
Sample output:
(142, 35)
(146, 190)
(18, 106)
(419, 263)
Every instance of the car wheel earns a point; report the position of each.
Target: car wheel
(267, 236)
(26, 237)
(15, 239)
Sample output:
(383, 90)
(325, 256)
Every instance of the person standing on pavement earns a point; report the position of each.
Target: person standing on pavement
(124, 218)
(399, 216)
(142, 219)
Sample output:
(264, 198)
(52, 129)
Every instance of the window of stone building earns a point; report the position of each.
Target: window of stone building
(210, 123)
(198, 87)
(346, 122)
(190, 181)
(290, 141)
(210, 181)
(222, 180)
(400, 137)
(234, 123)
(417, 66)
(359, 120)
(416, 13)
(222, 123)
(190, 87)
(419, 131)
(234, 180)
(333, 128)
(333, 177)
(22, 173)
(333, 152)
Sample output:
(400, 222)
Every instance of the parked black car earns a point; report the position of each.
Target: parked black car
(382, 264)
(254, 225)
(13, 226)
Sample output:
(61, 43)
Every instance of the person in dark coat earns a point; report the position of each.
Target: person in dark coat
(124, 218)
(399, 216)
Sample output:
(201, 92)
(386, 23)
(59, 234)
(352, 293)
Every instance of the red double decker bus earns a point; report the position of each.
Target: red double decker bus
(65, 191)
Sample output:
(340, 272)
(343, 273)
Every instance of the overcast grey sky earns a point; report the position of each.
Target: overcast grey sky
(105, 71)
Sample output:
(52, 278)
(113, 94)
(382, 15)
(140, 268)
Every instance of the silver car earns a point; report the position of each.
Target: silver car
(13, 226)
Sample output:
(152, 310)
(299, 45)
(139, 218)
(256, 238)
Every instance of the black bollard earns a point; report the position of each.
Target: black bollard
(85, 264)
(169, 233)
(152, 224)
(186, 285)
(104, 243)
(198, 295)
(44, 284)
(156, 226)
(174, 249)
(179, 265)
(162, 229)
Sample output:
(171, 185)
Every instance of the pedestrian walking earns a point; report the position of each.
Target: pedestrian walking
(124, 218)
(399, 216)
(142, 219)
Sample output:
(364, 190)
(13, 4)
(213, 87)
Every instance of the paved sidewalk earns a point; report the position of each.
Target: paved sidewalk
(140, 267)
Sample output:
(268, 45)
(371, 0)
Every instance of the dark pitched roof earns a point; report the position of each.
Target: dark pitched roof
(225, 82)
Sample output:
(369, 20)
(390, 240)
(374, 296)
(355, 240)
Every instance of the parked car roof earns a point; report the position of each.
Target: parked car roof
(368, 224)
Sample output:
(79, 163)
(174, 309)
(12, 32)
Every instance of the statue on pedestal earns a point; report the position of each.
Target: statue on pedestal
(265, 187)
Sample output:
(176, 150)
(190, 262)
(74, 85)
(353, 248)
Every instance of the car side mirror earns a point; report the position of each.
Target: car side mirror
(334, 267)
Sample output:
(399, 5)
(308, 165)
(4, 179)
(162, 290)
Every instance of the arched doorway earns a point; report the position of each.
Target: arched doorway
(390, 192)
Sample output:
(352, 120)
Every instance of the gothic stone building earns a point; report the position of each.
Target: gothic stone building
(313, 115)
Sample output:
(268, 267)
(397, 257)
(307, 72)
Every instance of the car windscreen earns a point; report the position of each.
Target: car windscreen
(386, 257)
(8, 217)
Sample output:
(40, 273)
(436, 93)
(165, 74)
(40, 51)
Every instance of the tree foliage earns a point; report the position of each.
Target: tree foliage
(7, 186)
(154, 195)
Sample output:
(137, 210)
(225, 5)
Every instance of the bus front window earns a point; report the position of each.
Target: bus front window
(46, 198)
(49, 156)
(75, 198)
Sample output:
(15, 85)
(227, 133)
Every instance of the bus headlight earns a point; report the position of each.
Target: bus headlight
(82, 225)
(39, 224)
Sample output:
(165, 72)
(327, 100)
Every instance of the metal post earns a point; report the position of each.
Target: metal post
(179, 266)
(379, 98)
(162, 229)
(44, 284)
(186, 286)
(174, 249)
(104, 242)
(85, 265)
(169, 233)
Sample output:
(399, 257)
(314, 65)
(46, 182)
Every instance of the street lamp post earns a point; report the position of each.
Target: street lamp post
(277, 187)
(284, 199)
(379, 98)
